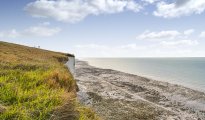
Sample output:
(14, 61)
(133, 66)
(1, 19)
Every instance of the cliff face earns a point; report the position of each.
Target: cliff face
(71, 64)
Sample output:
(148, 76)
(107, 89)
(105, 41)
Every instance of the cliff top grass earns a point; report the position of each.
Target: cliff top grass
(35, 84)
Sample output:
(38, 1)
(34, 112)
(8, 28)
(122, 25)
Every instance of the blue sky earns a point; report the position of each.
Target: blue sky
(107, 28)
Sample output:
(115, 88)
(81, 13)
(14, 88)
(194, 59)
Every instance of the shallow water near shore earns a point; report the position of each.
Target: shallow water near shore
(189, 72)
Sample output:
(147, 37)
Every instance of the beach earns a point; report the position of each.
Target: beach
(116, 95)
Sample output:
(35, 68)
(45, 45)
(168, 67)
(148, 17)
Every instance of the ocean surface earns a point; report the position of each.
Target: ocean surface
(189, 72)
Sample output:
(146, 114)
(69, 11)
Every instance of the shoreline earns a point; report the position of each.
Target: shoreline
(99, 86)
(151, 76)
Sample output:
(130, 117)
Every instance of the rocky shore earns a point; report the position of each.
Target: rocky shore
(115, 95)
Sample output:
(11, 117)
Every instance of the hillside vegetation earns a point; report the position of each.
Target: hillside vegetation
(35, 84)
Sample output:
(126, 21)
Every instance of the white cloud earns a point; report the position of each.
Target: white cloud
(40, 31)
(10, 33)
(95, 46)
(171, 38)
(202, 34)
(132, 46)
(34, 31)
(155, 36)
(179, 43)
(179, 8)
(76, 10)
(164, 35)
(189, 32)
(150, 1)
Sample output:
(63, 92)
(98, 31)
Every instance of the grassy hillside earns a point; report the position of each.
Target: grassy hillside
(35, 84)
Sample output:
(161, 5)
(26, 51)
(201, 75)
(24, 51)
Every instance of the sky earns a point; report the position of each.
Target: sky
(107, 28)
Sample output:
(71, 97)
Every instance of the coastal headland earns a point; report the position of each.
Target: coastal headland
(35, 84)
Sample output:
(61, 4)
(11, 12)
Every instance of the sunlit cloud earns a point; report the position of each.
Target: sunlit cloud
(42, 30)
(76, 10)
(179, 8)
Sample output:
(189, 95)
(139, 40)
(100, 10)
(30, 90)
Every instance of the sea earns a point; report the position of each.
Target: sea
(188, 72)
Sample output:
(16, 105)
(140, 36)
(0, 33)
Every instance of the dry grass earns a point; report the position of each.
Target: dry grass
(35, 84)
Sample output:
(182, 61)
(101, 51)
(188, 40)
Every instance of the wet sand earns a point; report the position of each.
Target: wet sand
(116, 95)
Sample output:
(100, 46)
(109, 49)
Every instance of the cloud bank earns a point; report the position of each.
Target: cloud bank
(155, 36)
(34, 31)
(202, 34)
(72, 11)
(76, 10)
(135, 50)
(169, 38)
(180, 42)
(179, 8)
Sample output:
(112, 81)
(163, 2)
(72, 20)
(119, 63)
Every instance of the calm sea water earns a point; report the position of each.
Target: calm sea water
(189, 72)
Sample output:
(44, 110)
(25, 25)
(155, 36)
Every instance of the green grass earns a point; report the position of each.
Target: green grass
(36, 85)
